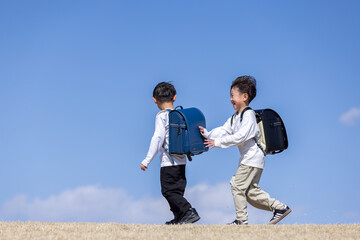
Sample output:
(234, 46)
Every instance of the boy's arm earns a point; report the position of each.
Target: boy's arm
(156, 143)
(247, 131)
(219, 132)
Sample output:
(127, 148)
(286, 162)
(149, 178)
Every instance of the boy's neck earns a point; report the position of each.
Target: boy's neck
(165, 105)
(242, 108)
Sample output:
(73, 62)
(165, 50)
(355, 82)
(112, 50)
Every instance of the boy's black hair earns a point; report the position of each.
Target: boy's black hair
(164, 92)
(245, 84)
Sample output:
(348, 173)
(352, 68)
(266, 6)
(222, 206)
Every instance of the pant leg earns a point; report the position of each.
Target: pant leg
(240, 183)
(173, 184)
(259, 198)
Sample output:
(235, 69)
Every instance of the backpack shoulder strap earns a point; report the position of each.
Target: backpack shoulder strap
(241, 114)
(243, 111)
(232, 118)
(166, 150)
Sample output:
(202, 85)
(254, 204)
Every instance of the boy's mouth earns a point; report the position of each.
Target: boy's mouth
(235, 106)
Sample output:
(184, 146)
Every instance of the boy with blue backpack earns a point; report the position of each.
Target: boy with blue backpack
(172, 172)
(241, 130)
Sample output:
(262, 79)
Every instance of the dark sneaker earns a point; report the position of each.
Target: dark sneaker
(279, 215)
(238, 222)
(171, 222)
(191, 216)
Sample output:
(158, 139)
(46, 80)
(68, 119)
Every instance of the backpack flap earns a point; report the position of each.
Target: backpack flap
(194, 118)
(274, 138)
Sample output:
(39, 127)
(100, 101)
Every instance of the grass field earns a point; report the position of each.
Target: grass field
(39, 230)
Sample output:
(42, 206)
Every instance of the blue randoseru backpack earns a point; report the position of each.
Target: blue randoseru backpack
(184, 133)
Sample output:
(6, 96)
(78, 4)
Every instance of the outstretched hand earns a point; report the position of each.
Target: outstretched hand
(203, 132)
(209, 143)
(201, 129)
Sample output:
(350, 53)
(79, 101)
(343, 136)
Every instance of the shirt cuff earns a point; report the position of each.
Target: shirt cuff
(217, 142)
(145, 163)
(206, 133)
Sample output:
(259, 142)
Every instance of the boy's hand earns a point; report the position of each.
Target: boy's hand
(201, 129)
(143, 167)
(209, 143)
(203, 132)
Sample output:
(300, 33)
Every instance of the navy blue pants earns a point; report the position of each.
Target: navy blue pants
(173, 184)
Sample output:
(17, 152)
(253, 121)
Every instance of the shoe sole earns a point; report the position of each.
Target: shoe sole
(171, 223)
(241, 224)
(190, 221)
(196, 219)
(281, 218)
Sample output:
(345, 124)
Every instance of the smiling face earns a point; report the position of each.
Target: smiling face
(238, 100)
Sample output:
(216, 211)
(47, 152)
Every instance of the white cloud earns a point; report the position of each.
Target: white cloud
(86, 204)
(350, 117)
(98, 204)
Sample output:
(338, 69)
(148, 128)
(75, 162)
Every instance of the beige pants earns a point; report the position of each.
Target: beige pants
(244, 187)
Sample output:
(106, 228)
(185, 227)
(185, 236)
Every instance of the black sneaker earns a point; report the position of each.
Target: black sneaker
(191, 216)
(279, 215)
(238, 222)
(171, 222)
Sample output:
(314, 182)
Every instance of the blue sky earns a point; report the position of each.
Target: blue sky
(76, 81)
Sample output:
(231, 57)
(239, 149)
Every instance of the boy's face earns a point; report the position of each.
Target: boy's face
(238, 99)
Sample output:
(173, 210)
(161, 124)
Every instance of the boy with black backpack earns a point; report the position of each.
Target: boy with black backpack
(242, 130)
(172, 172)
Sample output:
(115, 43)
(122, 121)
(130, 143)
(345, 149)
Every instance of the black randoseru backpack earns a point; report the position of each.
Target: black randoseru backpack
(273, 133)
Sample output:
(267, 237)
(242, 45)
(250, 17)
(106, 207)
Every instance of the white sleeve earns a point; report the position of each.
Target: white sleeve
(246, 131)
(220, 132)
(157, 141)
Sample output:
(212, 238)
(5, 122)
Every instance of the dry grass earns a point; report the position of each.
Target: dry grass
(38, 230)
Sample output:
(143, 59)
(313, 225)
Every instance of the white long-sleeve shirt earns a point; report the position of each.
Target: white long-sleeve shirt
(243, 135)
(160, 142)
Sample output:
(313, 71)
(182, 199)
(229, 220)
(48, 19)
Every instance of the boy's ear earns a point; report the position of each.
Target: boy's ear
(174, 98)
(155, 100)
(246, 97)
